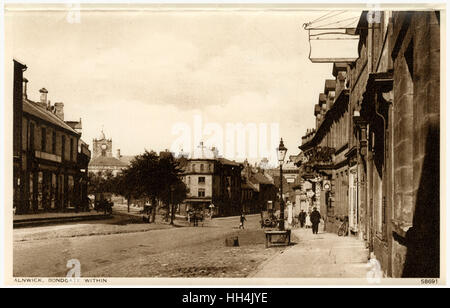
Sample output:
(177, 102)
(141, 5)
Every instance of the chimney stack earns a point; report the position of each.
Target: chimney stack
(118, 154)
(43, 92)
(59, 110)
(25, 81)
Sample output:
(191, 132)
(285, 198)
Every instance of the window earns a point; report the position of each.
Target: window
(409, 57)
(71, 149)
(201, 179)
(31, 136)
(54, 142)
(201, 192)
(63, 147)
(193, 167)
(43, 139)
(201, 167)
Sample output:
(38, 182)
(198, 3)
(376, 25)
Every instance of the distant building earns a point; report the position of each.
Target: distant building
(50, 159)
(258, 189)
(103, 159)
(290, 169)
(212, 181)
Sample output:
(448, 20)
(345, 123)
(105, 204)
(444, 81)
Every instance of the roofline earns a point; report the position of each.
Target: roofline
(52, 124)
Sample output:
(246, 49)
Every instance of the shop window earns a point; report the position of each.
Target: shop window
(31, 188)
(70, 191)
(53, 192)
(40, 190)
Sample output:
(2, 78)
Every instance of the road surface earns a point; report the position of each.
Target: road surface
(169, 252)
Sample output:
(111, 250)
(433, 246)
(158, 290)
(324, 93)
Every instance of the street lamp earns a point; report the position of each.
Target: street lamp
(172, 211)
(281, 152)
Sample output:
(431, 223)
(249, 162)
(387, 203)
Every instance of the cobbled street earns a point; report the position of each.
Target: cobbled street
(141, 250)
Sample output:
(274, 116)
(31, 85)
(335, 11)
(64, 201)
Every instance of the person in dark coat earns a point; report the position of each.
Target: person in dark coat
(242, 219)
(302, 218)
(315, 220)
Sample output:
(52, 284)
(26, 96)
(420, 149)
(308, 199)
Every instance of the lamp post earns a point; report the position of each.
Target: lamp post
(281, 151)
(172, 208)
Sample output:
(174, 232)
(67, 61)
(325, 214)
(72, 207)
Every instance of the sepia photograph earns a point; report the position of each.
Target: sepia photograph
(262, 144)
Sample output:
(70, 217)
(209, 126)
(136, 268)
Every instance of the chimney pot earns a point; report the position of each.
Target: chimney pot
(44, 93)
(25, 82)
(59, 110)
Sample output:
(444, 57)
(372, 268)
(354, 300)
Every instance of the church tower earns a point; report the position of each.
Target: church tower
(102, 146)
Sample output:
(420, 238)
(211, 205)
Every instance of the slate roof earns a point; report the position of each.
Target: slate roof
(34, 109)
(225, 161)
(127, 159)
(259, 178)
(107, 161)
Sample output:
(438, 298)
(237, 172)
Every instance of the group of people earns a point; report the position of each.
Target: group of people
(310, 220)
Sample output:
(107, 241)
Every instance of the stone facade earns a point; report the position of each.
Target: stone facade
(103, 160)
(325, 149)
(393, 118)
(213, 181)
(258, 189)
(51, 160)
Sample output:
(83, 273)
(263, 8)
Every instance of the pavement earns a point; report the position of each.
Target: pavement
(324, 255)
(31, 220)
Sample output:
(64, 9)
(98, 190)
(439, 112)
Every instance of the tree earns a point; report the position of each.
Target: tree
(178, 194)
(171, 189)
(151, 176)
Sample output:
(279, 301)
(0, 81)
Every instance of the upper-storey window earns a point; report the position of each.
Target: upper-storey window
(63, 147)
(43, 139)
(71, 149)
(54, 142)
(31, 136)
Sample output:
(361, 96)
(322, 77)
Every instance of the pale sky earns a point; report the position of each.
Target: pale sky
(138, 74)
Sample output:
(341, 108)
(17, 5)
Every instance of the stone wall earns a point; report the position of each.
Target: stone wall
(416, 56)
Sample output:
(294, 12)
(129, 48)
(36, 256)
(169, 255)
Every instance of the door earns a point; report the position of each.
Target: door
(353, 200)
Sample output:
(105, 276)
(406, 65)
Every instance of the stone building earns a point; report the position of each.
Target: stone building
(213, 181)
(102, 158)
(325, 150)
(392, 129)
(258, 189)
(50, 159)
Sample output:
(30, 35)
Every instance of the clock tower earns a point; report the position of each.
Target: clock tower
(102, 146)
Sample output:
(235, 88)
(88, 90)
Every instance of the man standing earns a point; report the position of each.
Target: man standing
(315, 220)
(302, 218)
(242, 219)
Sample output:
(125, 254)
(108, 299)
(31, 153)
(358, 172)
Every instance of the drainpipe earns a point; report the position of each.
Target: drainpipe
(361, 146)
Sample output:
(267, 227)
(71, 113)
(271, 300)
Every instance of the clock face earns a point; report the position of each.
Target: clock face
(104, 147)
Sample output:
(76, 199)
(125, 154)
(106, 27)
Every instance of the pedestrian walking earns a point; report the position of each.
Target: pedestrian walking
(308, 223)
(195, 218)
(242, 219)
(315, 220)
(302, 218)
